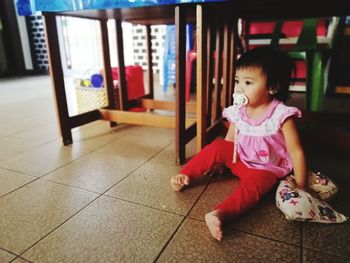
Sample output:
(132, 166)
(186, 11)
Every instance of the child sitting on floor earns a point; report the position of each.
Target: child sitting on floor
(262, 143)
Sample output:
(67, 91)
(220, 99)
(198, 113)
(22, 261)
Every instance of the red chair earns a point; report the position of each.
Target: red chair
(134, 80)
(191, 56)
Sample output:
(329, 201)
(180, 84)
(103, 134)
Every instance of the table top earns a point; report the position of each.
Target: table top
(33, 7)
(144, 9)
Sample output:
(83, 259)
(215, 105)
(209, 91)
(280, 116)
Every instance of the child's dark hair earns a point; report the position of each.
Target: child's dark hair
(276, 65)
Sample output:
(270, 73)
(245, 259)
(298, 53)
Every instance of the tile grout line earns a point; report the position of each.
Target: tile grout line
(57, 168)
(148, 206)
(12, 253)
(253, 234)
(182, 221)
(55, 228)
(70, 145)
(99, 196)
(136, 168)
(19, 257)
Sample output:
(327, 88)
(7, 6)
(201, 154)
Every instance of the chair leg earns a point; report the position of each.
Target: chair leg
(315, 81)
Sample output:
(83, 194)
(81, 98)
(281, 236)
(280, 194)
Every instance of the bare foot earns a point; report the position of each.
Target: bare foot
(213, 222)
(177, 182)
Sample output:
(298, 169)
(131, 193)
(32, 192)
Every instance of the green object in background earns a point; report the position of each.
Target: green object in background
(315, 57)
(317, 81)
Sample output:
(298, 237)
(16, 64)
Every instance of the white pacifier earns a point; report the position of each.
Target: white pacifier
(239, 99)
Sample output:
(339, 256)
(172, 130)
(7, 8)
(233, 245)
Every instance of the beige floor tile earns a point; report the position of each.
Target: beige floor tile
(319, 257)
(146, 142)
(155, 135)
(333, 238)
(220, 187)
(43, 133)
(96, 172)
(30, 213)
(167, 156)
(150, 185)
(6, 256)
(11, 146)
(193, 243)
(101, 127)
(21, 260)
(108, 230)
(19, 125)
(43, 159)
(99, 134)
(5, 116)
(12, 180)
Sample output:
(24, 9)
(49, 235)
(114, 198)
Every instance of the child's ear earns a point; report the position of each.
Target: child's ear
(272, 91)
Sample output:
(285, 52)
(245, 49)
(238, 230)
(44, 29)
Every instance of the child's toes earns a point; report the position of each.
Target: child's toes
(174, 182)
(187, 180)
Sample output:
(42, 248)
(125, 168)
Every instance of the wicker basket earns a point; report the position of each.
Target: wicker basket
(90, 98)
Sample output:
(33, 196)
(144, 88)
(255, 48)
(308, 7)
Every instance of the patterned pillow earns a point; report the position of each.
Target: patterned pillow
(322, 185)
(297, 204)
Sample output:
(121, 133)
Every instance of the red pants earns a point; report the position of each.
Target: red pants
(253, 185)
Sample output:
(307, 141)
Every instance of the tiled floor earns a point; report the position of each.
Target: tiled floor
(107, 197)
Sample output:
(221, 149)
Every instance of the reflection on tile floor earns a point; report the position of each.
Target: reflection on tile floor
(107, 197)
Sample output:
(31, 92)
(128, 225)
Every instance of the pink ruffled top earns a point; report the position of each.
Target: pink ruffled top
(260, 142)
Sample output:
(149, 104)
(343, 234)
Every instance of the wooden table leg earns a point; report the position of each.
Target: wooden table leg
(108, 80)
(201, 78)
(57, 78)
(123, 91)
(149, 62)
(180, 24)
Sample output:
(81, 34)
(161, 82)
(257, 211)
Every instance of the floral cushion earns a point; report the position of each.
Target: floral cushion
(322, 185)
(297, 204)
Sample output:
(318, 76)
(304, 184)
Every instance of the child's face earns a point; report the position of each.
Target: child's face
(252, 83)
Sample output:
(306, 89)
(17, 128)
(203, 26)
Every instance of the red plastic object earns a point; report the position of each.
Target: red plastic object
(134, 81)
(289, 28)
(191, 56)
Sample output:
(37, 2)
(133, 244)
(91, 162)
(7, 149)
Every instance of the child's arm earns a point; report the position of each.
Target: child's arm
(230, 135)
(296, 152)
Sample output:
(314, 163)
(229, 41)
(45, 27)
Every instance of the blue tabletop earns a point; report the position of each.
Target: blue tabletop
(32, 7)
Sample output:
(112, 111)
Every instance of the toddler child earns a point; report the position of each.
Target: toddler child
(262, 143)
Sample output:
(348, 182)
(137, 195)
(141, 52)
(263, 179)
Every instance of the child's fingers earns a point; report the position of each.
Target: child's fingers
(179, 180)
(187, 180)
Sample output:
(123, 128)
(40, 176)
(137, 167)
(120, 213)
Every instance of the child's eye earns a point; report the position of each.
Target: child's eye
(236, 81)
(248, 82)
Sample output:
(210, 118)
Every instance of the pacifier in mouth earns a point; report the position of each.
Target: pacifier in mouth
(239, 99)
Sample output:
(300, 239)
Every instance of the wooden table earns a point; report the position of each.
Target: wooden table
(216, 30)
(186, 128)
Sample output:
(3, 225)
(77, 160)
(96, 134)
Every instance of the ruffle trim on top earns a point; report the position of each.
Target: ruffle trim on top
(234, 113)
(231, 113)
(256, 122)
(291, 111)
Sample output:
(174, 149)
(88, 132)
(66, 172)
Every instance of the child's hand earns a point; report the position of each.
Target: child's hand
(177, 182)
